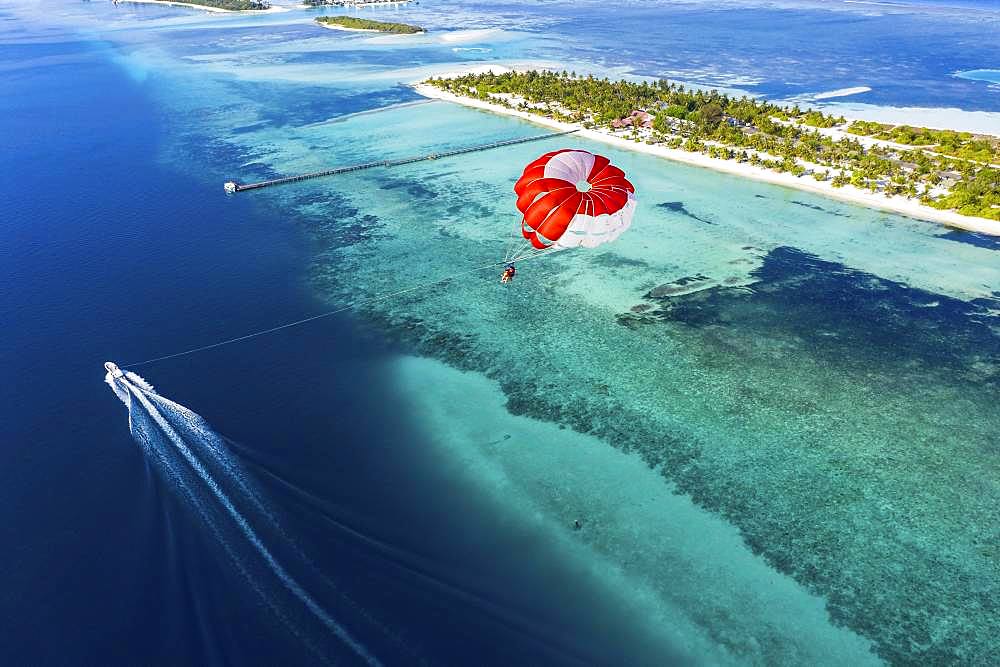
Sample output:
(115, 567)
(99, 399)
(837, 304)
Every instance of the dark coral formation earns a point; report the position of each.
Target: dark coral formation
(847, 424)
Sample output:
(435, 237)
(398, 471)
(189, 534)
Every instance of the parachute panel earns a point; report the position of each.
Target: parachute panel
(573, 198)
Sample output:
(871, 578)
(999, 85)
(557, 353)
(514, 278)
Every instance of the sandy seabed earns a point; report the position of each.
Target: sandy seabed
(665, 560)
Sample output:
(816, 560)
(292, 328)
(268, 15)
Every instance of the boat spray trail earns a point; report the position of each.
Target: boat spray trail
(176, 440)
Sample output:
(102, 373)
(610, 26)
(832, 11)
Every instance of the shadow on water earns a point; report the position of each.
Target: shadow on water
(972, 238)
(679, 208)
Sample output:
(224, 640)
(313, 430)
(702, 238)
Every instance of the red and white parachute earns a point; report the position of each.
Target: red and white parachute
(572, 198)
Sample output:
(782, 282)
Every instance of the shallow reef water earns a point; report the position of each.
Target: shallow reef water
(835, 402)
(676, 570)
(822, 376)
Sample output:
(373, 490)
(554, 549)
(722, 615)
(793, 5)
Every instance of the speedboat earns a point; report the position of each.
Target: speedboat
(112, 368)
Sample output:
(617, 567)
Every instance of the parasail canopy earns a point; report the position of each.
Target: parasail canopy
(572, 198)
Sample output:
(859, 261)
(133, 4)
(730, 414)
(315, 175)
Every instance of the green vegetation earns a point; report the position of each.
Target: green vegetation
(756, 132)
(367, 24)
(963, 145)
(817, 119)
(349, 3)
(979, 195)
(233, 5)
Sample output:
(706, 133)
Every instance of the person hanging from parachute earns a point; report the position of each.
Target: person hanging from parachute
(569, 198)
(508, 274)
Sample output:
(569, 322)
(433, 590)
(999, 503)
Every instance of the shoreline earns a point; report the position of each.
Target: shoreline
(273, 9)
(332, 26)
(847, 193)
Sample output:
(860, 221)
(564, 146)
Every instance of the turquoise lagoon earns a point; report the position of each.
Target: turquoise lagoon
(773, 413)
(822, 376)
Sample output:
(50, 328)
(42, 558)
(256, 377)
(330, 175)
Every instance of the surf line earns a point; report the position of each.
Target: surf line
(329, 313)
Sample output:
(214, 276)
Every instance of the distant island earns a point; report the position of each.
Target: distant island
(211, 5)
(354, 23)
(234, 5)
(942, 175)
(351, 3)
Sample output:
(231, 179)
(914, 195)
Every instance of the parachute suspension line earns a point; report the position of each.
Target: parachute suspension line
(524, 254)
(515, 251)
(519, 249)
(522, 251)
(305, 320)
(516, 244)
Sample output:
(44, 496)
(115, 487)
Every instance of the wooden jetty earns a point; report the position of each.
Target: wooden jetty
(233, 186)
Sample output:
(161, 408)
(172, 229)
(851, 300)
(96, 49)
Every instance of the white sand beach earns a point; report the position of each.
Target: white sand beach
(895, 204)
(331, 26)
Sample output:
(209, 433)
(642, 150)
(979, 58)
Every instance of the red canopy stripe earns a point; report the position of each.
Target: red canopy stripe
(550, 204)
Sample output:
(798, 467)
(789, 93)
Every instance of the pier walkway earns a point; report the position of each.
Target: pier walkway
(233, 186)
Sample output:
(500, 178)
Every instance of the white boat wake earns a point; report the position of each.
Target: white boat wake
(196, 462)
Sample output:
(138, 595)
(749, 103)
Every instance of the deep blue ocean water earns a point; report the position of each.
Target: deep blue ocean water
(116, 243)
(107, 254)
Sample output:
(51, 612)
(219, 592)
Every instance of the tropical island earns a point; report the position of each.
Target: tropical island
(354, 23)
(351, 3)
(213, 5)
(941, 175)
